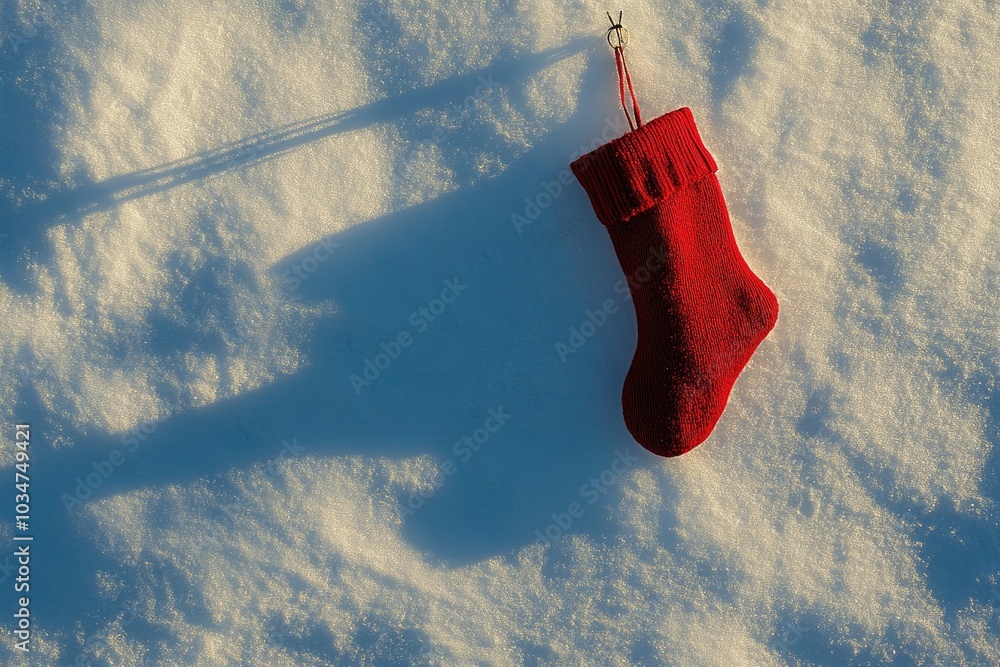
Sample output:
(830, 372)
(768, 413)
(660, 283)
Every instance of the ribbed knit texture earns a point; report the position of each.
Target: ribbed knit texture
(701, 311)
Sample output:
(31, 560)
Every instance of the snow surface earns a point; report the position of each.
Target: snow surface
(214, 213)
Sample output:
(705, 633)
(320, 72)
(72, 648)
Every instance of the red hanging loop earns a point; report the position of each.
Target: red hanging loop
(623, 76)
(621, 85)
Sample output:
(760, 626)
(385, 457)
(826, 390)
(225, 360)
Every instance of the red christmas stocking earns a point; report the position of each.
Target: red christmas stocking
(701, 311)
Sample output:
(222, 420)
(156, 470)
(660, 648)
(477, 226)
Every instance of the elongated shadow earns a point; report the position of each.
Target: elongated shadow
(25, 225)
(491, 348)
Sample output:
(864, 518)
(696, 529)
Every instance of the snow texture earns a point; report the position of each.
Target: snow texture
(214, 214)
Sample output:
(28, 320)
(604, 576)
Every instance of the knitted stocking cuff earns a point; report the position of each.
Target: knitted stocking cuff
(634, 172)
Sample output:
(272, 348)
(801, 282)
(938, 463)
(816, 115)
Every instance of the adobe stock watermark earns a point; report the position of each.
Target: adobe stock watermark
(788, 637)
(20, 37)
(377, 15)
(34, 369)
(104, 468)
(277, 633)
(549, 191)
(450, 122)
(229, 512)
(593, 320)
(463, 449)
(383, 19)
(419, 320)
(300, 271)
(591, 492)
(486, 85)
(579, 335)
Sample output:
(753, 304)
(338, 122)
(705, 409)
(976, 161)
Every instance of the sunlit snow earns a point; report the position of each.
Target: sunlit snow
(214, 214)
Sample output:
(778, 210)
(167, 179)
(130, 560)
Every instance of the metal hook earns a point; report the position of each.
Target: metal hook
(620, 32)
